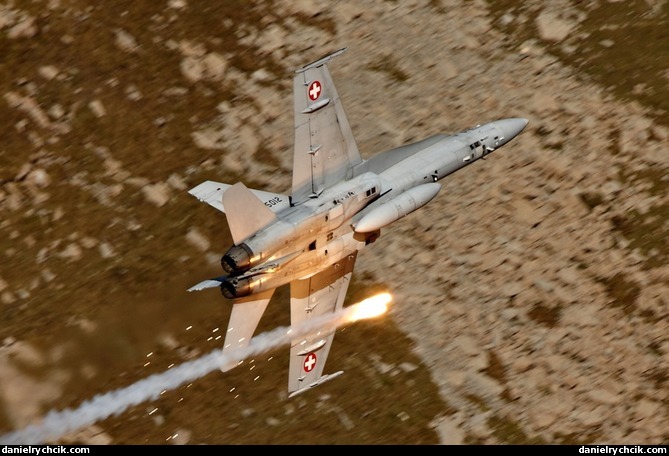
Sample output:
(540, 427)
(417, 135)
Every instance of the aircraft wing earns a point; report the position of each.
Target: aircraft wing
(317, 295)
(325, 149)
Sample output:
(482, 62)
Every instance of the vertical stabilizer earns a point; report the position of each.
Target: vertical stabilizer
(245, 212)
(244, 319)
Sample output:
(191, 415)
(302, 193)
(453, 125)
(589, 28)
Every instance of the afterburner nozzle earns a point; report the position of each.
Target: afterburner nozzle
(237, 259)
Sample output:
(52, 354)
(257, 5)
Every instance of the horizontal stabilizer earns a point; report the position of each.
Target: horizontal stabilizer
(320, 381)
(209, 283)
(211, 192)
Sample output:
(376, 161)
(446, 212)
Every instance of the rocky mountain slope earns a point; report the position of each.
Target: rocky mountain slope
(534, 288)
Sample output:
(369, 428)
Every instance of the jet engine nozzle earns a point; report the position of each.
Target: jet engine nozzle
(237, 259)
(236, 288)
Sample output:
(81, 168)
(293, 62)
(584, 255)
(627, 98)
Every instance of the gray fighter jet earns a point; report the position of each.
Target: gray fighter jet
(338, 204)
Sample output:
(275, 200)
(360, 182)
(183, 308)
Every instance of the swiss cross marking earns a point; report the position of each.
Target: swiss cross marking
(315, 90)
(309, 362)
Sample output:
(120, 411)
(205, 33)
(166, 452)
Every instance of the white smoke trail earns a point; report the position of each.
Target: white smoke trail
(58, 423)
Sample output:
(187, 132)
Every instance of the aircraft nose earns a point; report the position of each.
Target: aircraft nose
(511, 128)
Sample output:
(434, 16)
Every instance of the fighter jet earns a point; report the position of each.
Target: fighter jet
(339, 202)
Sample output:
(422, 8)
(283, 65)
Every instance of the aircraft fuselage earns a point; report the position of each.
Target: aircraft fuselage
(311, 236)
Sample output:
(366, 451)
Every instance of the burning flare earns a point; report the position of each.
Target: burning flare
(370, 307)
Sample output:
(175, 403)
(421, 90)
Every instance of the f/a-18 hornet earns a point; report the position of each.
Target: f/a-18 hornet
(338, 204)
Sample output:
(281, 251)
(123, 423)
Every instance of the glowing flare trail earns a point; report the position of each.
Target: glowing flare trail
(58, 423)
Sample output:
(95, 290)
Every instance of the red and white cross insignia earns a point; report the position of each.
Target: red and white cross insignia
(315, 90)
(309, 362)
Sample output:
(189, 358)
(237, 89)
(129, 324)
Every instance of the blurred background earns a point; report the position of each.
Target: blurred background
(531, 296)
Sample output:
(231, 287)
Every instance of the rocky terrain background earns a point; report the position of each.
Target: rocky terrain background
(531, 296)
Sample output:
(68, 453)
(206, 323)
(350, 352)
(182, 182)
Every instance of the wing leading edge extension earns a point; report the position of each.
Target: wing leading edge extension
(323, 293)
